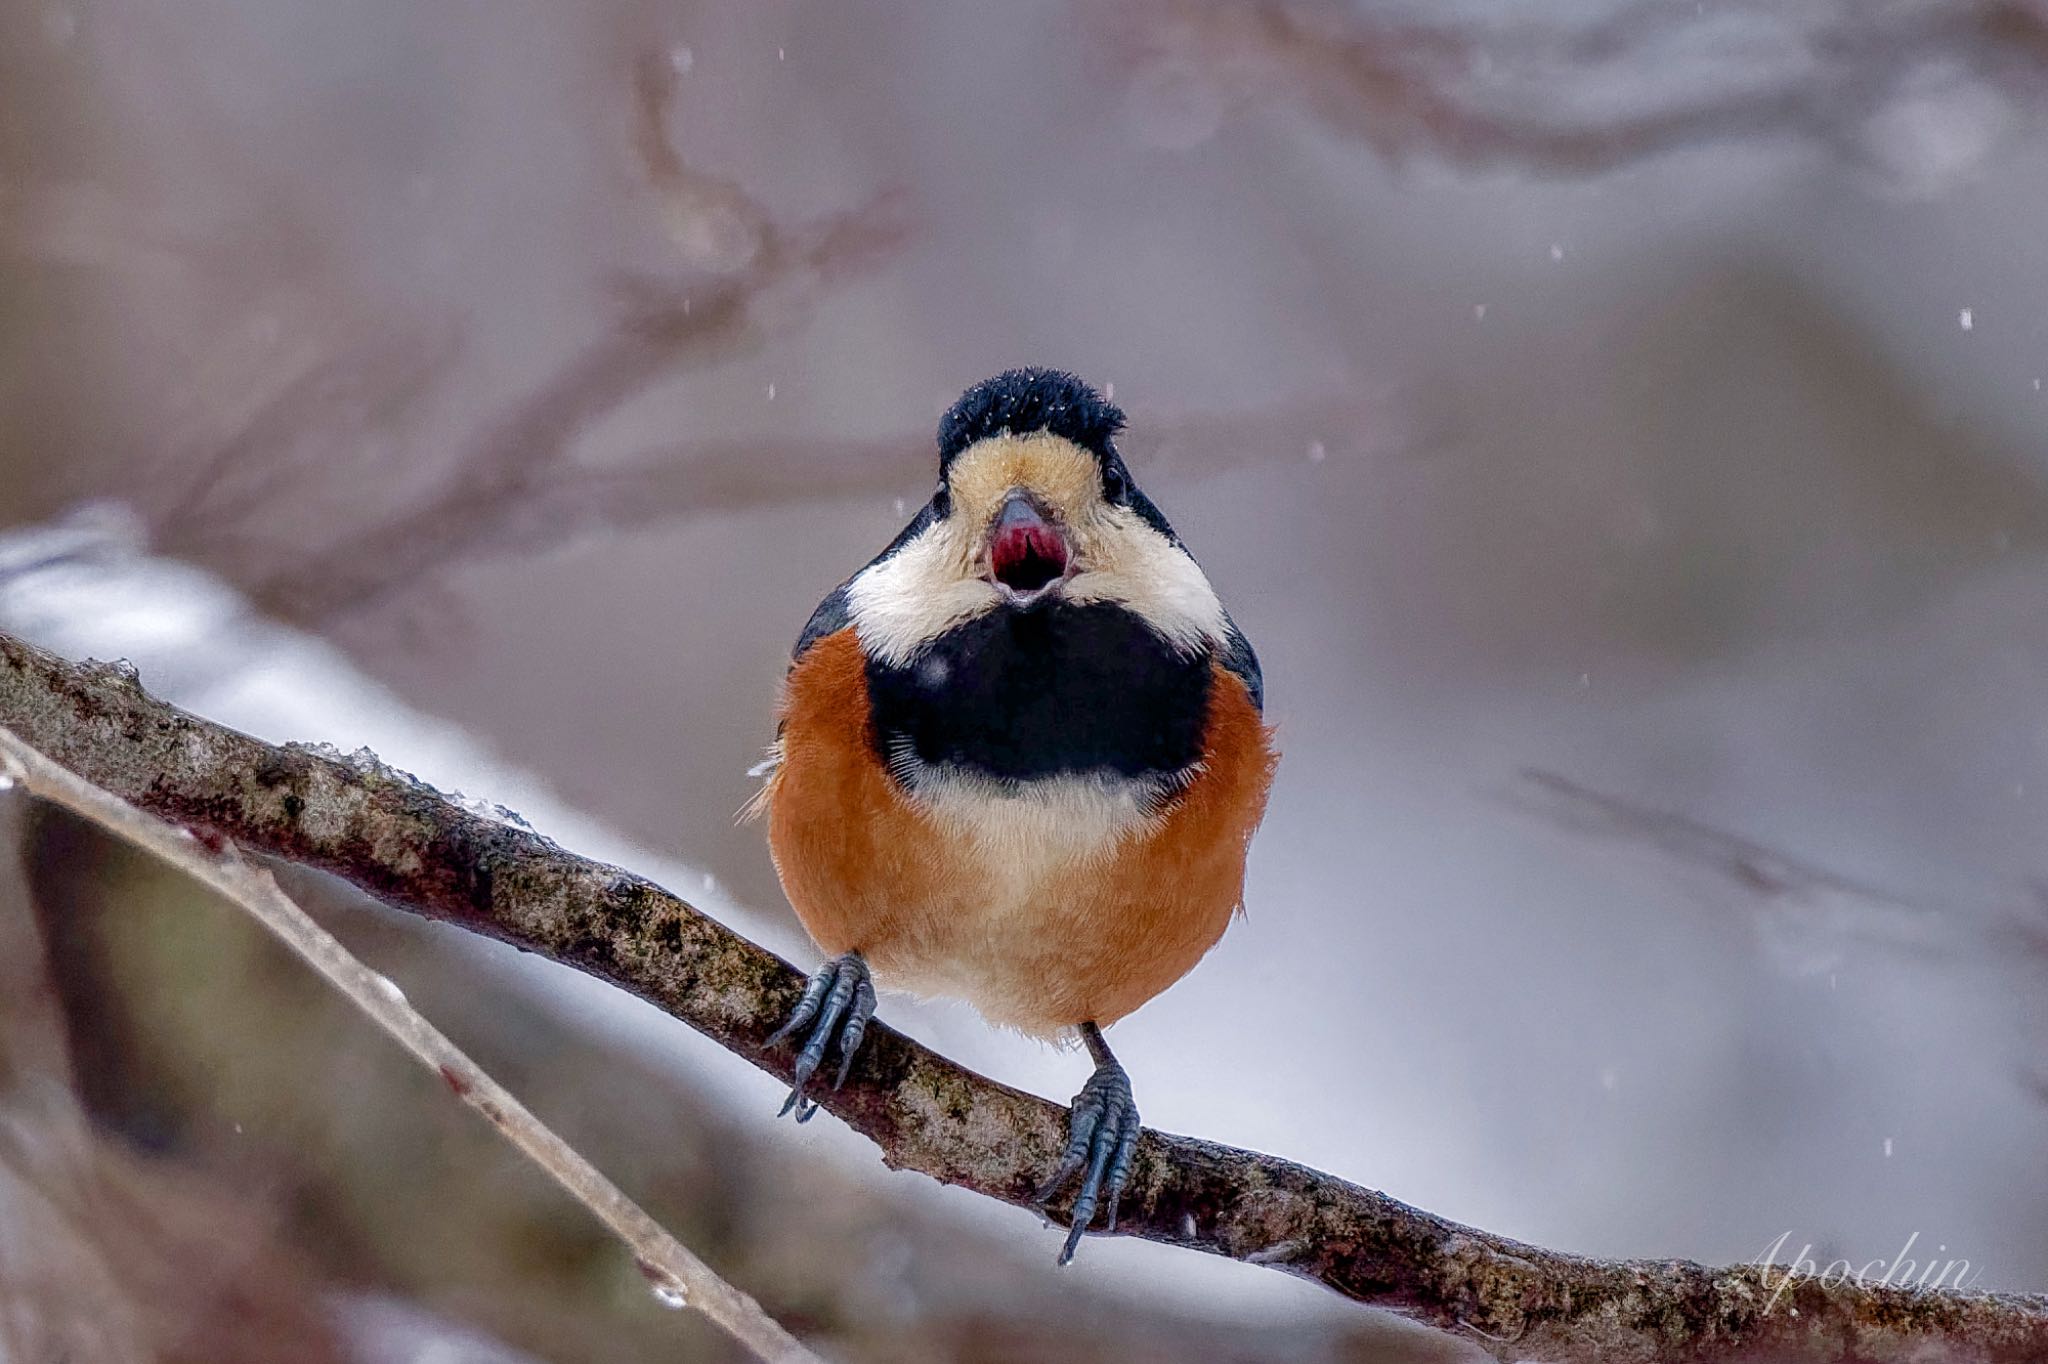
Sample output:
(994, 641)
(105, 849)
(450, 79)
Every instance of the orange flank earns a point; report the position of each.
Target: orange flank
(1038, 936)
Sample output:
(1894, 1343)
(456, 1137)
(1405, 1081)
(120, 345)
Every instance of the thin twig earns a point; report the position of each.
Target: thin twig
(747, 278)
(1832, 904)
(678, 1277)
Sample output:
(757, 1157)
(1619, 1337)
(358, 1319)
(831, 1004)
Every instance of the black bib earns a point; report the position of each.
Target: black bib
(1055, 690)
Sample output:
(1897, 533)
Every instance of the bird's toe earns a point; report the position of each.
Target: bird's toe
(837, 1003)
(1102, 1139)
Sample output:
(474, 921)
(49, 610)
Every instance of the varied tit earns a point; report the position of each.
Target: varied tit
(1020, 760)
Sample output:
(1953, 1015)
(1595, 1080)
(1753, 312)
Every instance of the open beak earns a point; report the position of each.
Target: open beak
(1028, 557)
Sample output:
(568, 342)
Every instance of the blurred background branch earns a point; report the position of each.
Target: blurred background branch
(1832, 906)
(1565, 95)
(745, 279)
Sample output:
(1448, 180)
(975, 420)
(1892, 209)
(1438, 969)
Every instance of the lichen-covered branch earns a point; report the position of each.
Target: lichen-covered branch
(677, 1276)
(405, 843)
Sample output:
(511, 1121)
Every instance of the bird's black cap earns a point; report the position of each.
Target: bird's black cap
(1021, 400)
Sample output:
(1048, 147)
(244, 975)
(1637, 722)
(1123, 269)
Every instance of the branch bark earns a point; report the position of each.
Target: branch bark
(677, 1277)
(405, 843)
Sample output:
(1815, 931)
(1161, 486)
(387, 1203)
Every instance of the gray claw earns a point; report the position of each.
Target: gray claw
(1102, 1139)
(838, 1001)
(855, 1029)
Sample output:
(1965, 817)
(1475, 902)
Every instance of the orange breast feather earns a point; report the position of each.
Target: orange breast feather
(1035, 943)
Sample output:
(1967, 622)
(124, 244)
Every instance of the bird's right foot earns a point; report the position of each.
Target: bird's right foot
(1102, 1139)
(838, 1002)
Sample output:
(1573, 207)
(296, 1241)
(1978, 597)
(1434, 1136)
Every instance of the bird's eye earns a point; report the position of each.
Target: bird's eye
(1115, 486)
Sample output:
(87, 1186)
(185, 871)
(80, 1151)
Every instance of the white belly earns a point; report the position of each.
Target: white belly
(1023, 846)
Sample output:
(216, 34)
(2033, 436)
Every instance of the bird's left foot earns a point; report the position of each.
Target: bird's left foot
(838, 1002)
(1102, 1137)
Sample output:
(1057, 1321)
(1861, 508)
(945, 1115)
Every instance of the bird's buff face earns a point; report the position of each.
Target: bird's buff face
(1026, 521)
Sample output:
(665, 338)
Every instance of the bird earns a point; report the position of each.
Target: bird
(1019, 760)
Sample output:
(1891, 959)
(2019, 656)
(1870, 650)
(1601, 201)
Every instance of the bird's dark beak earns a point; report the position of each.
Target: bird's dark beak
(1027, 554)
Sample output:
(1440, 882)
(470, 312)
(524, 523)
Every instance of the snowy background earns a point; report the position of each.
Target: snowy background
(1619, 427)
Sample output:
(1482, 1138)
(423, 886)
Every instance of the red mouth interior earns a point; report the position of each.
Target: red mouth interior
(1026, 554)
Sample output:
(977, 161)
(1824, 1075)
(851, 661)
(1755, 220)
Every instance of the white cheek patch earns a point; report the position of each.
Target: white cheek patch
(1139, 568)
(929, 586)
(914, 595)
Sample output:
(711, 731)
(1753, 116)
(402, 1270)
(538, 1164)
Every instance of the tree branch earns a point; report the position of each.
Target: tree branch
(678, 1277)
(403, 842)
